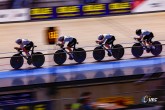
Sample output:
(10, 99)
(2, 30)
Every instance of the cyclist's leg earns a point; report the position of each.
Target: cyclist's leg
(70, 45)
(27, 48)
(151, 36)
(107, 44)
(112, 41)
(144, 40)
(150, 40)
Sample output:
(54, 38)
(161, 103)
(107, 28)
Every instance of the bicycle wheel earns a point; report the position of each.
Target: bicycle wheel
(16, 61)
(79, 55)
(98, 53)
(158, 48)
(38, 59)
(137, 50)
(117, 51)
(60, 57)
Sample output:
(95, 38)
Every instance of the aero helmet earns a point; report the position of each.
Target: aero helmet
(101, 37)
(138, 32)
(18, 41)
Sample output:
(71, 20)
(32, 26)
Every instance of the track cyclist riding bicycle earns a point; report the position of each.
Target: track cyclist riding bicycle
(71, 42)
(25, 45)
(146, 37)
(108, 40)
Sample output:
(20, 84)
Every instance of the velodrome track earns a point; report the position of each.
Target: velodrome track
(86, 31)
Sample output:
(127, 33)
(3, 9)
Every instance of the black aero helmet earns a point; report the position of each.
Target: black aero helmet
(138, 32)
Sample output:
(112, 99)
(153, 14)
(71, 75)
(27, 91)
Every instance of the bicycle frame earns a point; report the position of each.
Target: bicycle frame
(32, 51)
(141, 42)
(102, 45)
(74, 47)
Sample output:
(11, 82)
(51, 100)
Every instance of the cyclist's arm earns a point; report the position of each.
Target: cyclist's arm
(26, 52)
(138, 38)
(61, 43)
(99, 41)
(17, 48)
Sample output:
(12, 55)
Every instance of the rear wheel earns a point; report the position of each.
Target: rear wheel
(79, 55)
(60, 57)
(98, 53)
(38, 59)
(157, 48)
(118, 51)
(16, 61)
(137, 50)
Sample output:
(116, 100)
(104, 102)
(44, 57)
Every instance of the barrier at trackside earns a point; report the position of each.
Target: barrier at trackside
(50, 13)
(136, 6)
(80, 10)
(12, 15)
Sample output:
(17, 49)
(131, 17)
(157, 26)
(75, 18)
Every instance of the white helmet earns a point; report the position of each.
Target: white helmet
(18, 41)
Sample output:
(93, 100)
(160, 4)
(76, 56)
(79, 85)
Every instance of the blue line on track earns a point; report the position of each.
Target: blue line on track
(82, 67)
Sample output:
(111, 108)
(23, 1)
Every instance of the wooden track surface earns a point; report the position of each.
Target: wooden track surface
(85, 30)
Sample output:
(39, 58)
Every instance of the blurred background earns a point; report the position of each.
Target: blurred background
(126, 84)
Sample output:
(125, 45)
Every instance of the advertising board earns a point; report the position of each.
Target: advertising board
(45, 105)
(149, 6)
(11, 15)
(41, 13)
(80, 10)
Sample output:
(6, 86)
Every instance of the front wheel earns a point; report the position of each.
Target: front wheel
(59, 57)
(117, 51)
(38, 59)
(157, 48)
(137, 50)
(16, 61)
(98, 53)
(79, 55)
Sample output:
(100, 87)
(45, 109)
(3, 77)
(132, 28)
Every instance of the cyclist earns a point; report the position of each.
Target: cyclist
(71, 42)
(108, 40)
(145, 36)
(25, 45)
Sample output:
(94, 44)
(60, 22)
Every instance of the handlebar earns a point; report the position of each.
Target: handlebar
(20, 50)
(62, 46)
(101, 44)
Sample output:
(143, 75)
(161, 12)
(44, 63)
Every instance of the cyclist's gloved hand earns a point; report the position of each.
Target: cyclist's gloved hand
(138, 39)
(17, 48)
(135, 38)
(97, 42)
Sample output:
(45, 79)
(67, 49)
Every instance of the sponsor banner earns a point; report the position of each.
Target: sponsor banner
(94, 9)
(80, 10)
(46, 105)
(136, 3)
(119, 8)
(41, 13)
(117, 99)
(149, 6)
(11, 15)
(67, 11)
